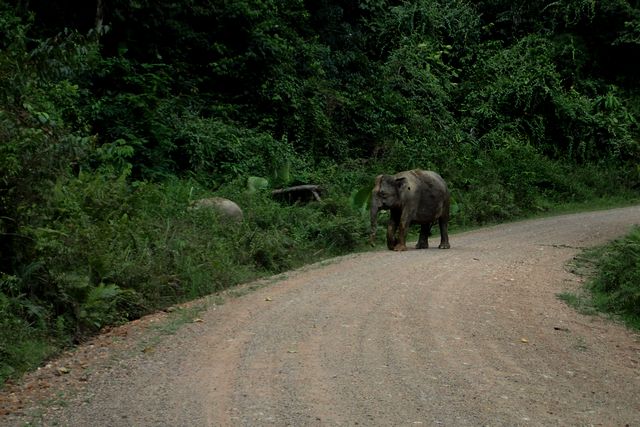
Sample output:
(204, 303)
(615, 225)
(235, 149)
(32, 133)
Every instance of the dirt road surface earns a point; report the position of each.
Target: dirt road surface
(474, 335)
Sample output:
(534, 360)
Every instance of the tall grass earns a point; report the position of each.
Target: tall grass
(616, 286)
(613, 286)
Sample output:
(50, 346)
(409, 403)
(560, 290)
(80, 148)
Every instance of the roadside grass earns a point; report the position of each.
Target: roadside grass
(613, 280)
(580, 301)
(177, 318)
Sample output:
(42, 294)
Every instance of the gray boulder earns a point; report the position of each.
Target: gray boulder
(226, 208)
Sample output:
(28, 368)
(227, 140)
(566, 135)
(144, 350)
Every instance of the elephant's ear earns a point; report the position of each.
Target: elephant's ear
(400, 184)
(400, 181)
(376, 184)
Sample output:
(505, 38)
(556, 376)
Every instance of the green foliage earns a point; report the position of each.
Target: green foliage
(612, 287)
(361, 198)
(23, 345)
(223, 151)
(616, 285)
(256, 183)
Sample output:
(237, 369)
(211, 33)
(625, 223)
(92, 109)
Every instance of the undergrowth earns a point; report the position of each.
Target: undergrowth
(613, 285)
(109, 251)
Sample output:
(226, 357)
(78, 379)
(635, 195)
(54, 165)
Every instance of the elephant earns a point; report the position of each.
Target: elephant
(413, 197)
(227, 209)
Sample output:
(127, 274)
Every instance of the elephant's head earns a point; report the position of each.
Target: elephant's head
(384, 196)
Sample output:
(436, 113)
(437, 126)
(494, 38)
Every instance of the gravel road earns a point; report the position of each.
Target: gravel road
(474, 335)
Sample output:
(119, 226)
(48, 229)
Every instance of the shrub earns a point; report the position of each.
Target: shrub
(24, 339)
(616, 286)
(219, 152)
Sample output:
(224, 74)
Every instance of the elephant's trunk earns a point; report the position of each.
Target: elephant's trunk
(374, 222)
(375, 206)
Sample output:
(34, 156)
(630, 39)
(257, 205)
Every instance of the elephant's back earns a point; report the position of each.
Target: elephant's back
(430, 178)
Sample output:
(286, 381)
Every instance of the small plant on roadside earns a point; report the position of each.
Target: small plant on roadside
(616, 286)
(614, 280)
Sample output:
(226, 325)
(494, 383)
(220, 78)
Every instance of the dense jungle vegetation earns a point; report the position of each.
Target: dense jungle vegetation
(115, 115)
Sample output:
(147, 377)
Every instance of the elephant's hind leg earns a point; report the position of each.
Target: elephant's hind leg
(425, 232)
(444, 233)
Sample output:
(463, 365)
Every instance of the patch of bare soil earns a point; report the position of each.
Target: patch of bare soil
(473, 335)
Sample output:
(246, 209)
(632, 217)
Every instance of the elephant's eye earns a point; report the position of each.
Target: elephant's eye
(383, 194)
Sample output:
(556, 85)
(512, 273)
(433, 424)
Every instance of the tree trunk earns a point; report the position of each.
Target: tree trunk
(99, 16)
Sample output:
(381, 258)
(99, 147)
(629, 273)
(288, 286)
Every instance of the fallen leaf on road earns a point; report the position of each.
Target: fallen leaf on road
(62, 370)
(524, 340)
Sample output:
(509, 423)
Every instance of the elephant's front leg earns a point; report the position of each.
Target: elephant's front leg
(391, 234)
(392, 228)
(403, 229)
